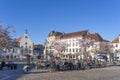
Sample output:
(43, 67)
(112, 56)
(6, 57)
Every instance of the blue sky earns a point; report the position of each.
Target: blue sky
(42, 16)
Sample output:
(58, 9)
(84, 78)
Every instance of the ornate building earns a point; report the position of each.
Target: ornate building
(73, 50)
(22, 46)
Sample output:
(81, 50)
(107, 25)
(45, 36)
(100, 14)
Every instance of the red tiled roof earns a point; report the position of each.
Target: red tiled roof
(95, 36)
(18, 39)
(116, 40)
(75, 34)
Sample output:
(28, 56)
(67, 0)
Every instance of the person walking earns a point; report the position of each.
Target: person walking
(3, 63)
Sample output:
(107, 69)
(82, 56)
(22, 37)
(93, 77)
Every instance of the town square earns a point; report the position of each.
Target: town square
(109, 73)
(59, 40)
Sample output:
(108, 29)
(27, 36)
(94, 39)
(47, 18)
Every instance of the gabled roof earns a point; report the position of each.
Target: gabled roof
(75, 34)
(18, 39)
(95, 36)
(115, 40)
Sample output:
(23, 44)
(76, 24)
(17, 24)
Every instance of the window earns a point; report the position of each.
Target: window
(30, 47)
(116, 45)
(73, 44)
(26, 37)
(63, 51)
(116, 51)
(29, 51)
(21, 46)
(66, 50)
(22, 51)
(63, 56)
(69, 50)
(79, 49)
(76, 49)
(76, 44)
(25, 43)
(66, 56)
(73, 50)
(69, 40)
(25, 47)
(73, 56)
(69, 44)
(13, 50)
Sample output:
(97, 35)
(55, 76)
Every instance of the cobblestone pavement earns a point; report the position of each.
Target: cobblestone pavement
(109, 73)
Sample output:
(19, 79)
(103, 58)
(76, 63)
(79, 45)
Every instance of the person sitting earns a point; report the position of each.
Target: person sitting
(2, 65)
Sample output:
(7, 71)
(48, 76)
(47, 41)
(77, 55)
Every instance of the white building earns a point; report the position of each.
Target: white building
(23, 45)
(116, 47)
(73, 50)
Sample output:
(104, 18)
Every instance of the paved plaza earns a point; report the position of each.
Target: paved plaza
(108, 73)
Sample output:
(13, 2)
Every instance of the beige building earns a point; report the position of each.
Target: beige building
(116, 47)
(73, 50)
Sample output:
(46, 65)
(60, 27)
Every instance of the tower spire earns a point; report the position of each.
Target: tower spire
(26, 31)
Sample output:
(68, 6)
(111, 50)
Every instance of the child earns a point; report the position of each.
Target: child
(26, 68)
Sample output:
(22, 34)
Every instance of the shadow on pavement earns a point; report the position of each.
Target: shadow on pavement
(7, 74)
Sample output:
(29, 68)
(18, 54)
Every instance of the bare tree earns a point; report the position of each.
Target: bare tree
(84, 44)
(60, 47)
(104, 48)
(5, 39)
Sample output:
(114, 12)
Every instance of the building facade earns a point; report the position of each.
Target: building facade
(38, 51)
(116, 47)
(73, 50)
(22, 46)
